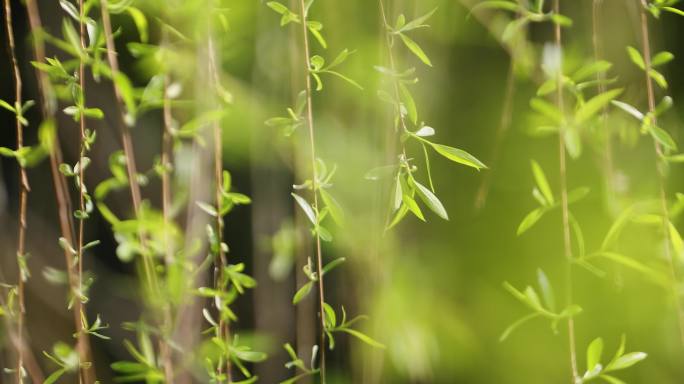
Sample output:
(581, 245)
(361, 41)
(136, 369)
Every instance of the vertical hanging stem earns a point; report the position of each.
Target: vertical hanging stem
(567, 244)
(167, 148)
(81, 176)
(221, 261)
(646, 48)
(23, 196)
(131, 170)
(395, 83)
(48, 106)
(314, 181)
(87, 376)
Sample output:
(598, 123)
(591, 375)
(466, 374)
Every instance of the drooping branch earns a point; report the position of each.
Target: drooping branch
(660, 170)
(23, 196)
(565, 212)
(314, 181)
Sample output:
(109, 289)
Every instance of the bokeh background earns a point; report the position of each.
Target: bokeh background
(432, 291)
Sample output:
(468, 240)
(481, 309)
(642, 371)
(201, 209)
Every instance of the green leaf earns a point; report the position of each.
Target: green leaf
(330, 317)
(590, 70)
(658, 78)
(529, 220)
(547, 87)
(126, 90)
(547, 109)
(664, 138)
(594, 352)
(412, 206)
(306, 207)
(611, 379)
(408, 102)
(626, 361)
(629, 109)
(636, 58)
(546, 290)
(502, 5)
(542, 182)
(416, 49)
(363, 337)
(55, 376)
(343, 77)
(278, 7)
(673, 10)
(653, 275)
(417, 22)
(513, 28)
(208, 208)
(70, 9)
(507, 332)
(341, 58)
(140, 22)
(431, 200)
(315, 28)
(72, 37)
(661, 58)
(664, 105)
(7, 106)
(334, 207)
(458, 156)
(561, 20)
(595, 104)
(94, 113)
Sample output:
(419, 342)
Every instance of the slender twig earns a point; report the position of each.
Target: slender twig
(129, 153)
(30, 364)
(82, 150)
(314, 181)
(131, 169)
(395, 83)
(167, 148)
(48, 107)
(567, 245)
(221, 261)
(646, 47)
(23, 195)
(87, 378)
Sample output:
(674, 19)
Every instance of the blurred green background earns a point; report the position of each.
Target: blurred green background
(433, 291)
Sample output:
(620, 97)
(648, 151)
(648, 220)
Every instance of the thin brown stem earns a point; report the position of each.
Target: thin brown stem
(567, 245)
(221, 261)
(129, 153)
(167, 148)
(660, 167)
(23, 195)
(314, 181)
(87, 378)
(81, 175)
(48, 107)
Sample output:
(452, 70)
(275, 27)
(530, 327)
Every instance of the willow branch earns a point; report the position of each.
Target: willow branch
(567, 245)
(23, 195)
(310, 125)
(660, 167)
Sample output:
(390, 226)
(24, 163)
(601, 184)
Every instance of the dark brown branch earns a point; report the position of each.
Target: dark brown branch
(23, 194)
